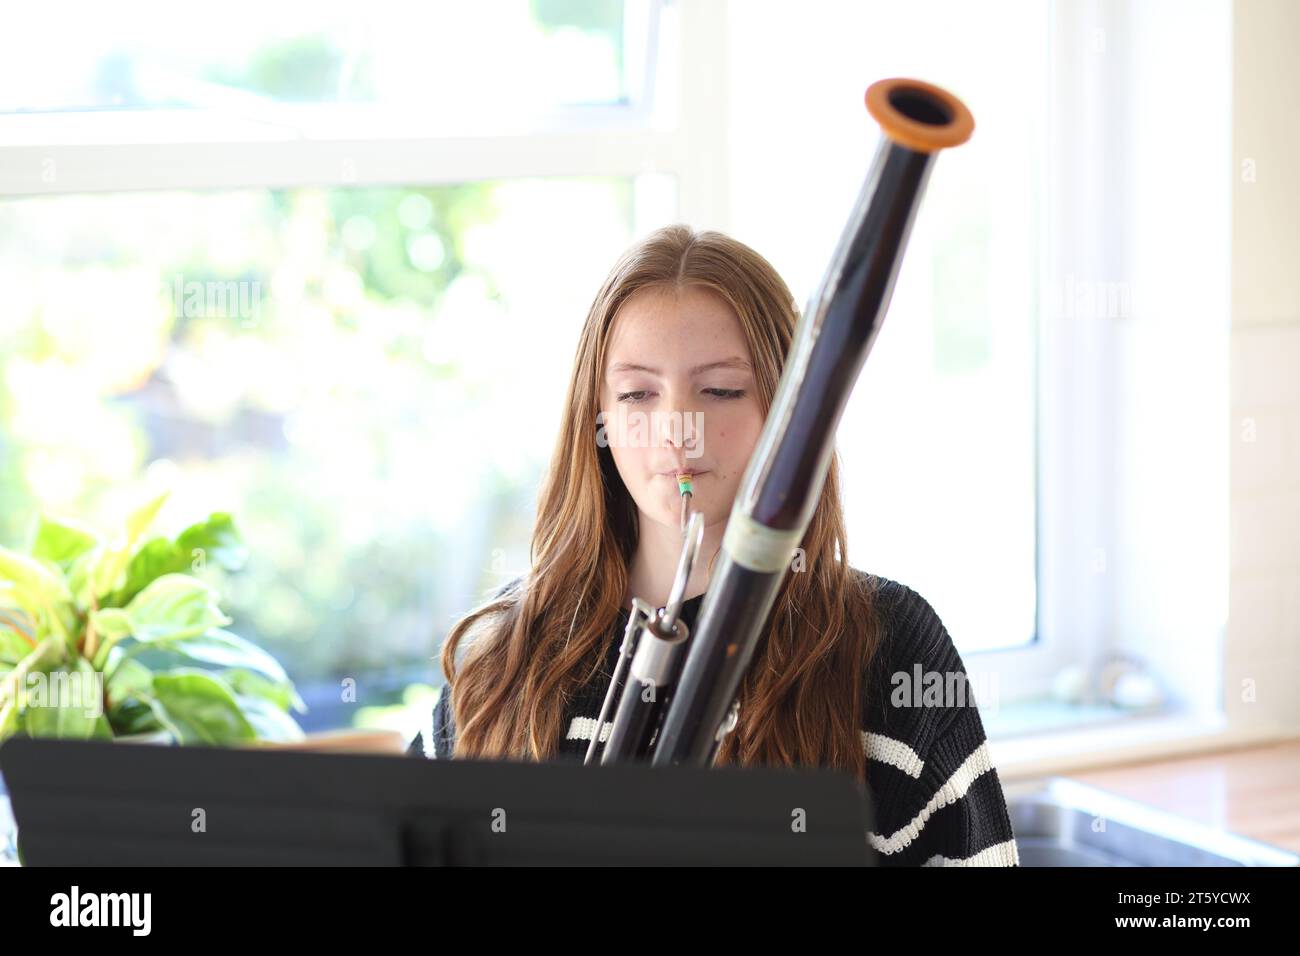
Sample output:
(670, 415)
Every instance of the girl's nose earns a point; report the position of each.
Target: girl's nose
(682, 428)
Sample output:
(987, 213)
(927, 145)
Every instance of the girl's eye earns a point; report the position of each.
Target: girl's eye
(633, 398)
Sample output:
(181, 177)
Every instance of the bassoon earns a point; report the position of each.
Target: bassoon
(680, 700)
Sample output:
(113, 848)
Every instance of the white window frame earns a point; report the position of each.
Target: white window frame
(666, 127)
(1075, 455)
(1103, 586)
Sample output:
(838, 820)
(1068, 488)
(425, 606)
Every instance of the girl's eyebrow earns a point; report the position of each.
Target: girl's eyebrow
(732, 362)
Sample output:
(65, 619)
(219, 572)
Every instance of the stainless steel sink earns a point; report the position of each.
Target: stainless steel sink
(1060, 822)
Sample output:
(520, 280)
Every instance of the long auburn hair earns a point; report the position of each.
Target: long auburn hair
(803, 696)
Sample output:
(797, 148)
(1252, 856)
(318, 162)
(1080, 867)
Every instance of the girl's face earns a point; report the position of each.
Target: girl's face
(678, 395)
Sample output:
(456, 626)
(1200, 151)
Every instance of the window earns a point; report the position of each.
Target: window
(274, 269)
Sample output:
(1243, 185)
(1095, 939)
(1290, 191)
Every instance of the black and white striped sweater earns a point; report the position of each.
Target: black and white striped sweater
(938, 800)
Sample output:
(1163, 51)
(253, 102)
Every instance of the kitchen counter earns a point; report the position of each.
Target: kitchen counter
(1253, 792)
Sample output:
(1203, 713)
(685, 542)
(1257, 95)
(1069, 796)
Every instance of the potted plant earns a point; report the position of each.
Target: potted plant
(122, 640)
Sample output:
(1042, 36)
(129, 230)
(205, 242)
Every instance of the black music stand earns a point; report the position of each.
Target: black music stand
(100, 803)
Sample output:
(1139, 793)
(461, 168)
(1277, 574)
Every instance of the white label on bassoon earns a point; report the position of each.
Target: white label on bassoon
(756, 546)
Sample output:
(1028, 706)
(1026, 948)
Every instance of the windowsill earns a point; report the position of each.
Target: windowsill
(1111, 738)
(1047, 716)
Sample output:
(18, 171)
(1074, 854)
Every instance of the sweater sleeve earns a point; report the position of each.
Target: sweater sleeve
(960, 816)
(939, 799)
(444, 731)
(439, 732)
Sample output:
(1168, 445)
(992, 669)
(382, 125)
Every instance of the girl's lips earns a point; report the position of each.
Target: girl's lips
(673, 474)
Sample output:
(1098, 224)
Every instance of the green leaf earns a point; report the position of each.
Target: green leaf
(225, 649)
(213, 540)
(165, 721)
(103, 729)
(270, 721)
(13, 646)
(127, 676)
(133, 715)
(81, 575)
(281, 693)
(138, 521)
(33, 586)
(61, 539)
(8, 721)
(111, 623)
(48, 653)
(111, 567)
(201, 707)
(172, 607)
(155, 558)
(66, 702)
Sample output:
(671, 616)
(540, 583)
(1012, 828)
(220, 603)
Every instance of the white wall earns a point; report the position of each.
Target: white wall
(1262, 655)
